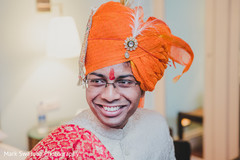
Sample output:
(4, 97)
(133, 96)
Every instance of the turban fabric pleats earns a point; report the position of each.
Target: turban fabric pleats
(113, 24)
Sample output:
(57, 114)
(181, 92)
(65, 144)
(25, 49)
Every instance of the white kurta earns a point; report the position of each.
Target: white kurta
(144, 137)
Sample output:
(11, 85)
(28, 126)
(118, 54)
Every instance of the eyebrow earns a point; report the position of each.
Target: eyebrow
(97, 74)
(119, 77)
(124, 76)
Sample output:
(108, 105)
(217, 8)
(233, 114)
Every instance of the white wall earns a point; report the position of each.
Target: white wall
(28, 76)
(186, 18)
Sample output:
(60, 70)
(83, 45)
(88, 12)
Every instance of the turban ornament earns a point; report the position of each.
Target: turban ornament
(117, 34)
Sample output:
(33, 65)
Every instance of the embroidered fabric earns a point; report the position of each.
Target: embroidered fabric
(70, 142)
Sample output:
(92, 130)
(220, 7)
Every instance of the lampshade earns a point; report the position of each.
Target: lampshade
(63, 38)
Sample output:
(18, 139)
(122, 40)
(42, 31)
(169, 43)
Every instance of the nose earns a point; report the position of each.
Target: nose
(110, 93)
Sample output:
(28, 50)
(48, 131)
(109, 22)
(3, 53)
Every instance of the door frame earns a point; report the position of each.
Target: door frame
(221, 97)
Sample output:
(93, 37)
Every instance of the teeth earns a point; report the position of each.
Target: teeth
(111, 109)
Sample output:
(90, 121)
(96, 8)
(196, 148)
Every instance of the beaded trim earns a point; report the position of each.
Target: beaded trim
(82, 57)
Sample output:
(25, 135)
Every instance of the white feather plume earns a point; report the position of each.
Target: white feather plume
(138, 25)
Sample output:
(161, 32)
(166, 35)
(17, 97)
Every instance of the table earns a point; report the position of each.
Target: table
(196, 116)
(34, 136)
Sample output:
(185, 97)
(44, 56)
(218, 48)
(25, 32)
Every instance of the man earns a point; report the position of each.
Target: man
(123, 57)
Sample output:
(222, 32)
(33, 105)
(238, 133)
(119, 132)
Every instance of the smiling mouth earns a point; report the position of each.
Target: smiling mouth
(111, 108)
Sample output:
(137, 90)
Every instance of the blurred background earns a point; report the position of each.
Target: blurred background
(39, 89)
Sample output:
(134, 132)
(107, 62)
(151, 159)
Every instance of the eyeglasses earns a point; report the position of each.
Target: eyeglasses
(119, 84)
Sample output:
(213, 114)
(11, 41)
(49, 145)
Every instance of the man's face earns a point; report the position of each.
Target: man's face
(113, 106)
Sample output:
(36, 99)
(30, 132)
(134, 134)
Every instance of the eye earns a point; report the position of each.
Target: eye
(96, 82)
(125, 83)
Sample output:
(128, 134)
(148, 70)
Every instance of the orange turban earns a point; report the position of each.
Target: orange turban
(111, 29)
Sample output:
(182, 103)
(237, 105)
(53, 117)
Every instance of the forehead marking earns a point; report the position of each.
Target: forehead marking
(111, 74)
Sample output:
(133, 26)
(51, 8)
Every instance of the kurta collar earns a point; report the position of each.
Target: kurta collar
(89, 121)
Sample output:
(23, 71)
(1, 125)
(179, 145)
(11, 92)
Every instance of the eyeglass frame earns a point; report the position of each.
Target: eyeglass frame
(107, 84)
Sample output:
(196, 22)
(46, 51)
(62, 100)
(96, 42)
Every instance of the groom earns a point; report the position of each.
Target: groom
(122, 57)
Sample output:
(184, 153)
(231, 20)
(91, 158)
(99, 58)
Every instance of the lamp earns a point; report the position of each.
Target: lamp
(43, 5)
(63, 38)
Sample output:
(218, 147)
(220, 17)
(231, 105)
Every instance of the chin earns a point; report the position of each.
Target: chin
(110, 123)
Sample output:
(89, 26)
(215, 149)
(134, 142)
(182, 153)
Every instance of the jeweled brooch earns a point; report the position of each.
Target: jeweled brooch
(131, 43)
